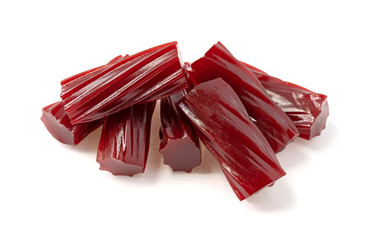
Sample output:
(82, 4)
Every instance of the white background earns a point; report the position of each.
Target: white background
(52, 191)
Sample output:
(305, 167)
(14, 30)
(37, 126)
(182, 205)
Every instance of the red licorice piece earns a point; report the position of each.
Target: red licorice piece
(275, 125)
(225, 128)
(307, 109)
(179, 146)
(124, 143)
(59, 125)
(143, 77)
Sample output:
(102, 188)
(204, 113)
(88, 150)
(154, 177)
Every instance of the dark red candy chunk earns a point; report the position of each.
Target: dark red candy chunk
(124, 143)
(275, 125)
(143, 77)
(59, 125)
(179, 146)
(225, 128)
(307, 109)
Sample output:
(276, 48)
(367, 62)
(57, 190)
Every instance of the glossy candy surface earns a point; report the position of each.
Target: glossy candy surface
(275, 125)
(143, 77)
(75, 80)
(225, 128)
(307, 109)
(59, 125)
(124, 143)
(179, 146)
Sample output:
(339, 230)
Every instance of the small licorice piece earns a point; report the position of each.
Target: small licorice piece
(225, 128)
(124, 143)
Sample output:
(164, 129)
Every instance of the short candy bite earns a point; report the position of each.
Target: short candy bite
(179, 146)
(307, 109)
(275, 125)
(124, 143)
(59, 125)
(143, 77)
(225, 128)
